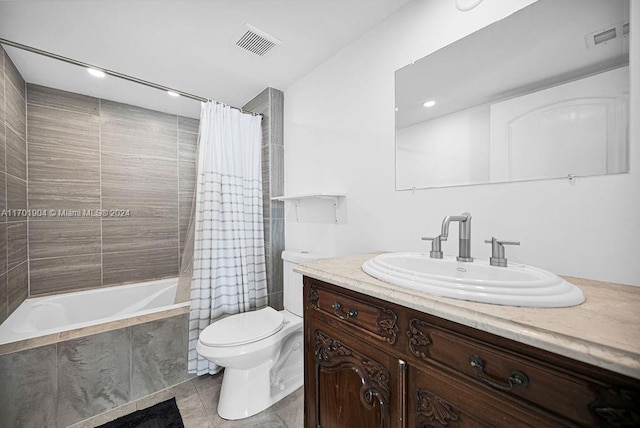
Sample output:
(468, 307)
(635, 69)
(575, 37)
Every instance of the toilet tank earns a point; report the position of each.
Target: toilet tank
(292, 281)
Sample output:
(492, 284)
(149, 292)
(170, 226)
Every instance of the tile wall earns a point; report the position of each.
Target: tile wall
(270, 103)
(60, 384)
(13, 188)
(87, 154)
(81, 154)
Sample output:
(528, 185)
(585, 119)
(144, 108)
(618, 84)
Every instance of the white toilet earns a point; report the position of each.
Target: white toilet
(261, 351)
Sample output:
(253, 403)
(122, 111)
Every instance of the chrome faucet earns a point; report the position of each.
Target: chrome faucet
(464, 236)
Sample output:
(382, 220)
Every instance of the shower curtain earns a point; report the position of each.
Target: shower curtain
(228, 270)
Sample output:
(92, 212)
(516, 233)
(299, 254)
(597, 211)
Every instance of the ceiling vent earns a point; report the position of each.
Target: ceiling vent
(255, 40)
(607, 35)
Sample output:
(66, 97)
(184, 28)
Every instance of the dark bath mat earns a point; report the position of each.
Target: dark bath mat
(162, 415)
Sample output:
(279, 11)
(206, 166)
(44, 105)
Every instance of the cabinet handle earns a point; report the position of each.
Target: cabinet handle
(517, 378)
(337, 309)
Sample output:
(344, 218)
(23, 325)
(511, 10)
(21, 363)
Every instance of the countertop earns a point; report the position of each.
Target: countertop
(603, 331)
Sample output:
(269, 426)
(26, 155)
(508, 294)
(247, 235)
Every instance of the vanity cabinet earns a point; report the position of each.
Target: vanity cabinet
(371, 363)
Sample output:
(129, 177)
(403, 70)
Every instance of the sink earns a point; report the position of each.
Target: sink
(515, 285)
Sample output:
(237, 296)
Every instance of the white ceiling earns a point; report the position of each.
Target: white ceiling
(182, 44)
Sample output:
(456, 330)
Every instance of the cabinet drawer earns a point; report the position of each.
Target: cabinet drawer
(552, 389)
(437, 399)
(378, 321)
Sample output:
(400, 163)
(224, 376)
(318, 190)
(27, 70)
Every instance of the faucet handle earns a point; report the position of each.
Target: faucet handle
(497, 251)
(490, 241)
(436, 249)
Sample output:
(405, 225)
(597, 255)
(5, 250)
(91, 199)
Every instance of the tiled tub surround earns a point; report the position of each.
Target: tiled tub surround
(603, 331)
(14, 286)
(86, 153)
(64, 377)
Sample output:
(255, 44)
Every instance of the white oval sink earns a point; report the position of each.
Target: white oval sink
(515, 285)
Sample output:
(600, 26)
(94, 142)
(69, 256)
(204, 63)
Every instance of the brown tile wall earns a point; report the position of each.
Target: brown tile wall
(270, 103)
(79, 154)
(87, 154)
(14, 285)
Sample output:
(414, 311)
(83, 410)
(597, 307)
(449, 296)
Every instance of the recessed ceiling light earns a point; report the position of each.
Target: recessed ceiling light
(95, 72)
(429, 103)
(173, 94)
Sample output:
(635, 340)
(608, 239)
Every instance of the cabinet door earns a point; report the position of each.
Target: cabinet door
(347, 383)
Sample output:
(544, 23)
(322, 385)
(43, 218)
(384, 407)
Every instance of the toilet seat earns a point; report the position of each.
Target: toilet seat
(243, 328)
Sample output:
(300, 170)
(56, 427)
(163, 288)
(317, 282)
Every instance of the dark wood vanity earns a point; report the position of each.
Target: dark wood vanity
(371, 363)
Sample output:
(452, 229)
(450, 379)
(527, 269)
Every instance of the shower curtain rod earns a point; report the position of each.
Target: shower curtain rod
(112, 73)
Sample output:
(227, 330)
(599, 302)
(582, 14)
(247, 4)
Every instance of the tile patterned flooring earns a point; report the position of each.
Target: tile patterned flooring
(197, 401)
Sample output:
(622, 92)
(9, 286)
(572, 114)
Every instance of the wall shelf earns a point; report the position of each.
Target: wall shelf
(296, 199)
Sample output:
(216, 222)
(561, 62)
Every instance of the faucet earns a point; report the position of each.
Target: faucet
(464, 236)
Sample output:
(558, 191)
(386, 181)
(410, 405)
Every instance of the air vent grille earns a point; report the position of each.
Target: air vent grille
(607, 35)
(256, 41)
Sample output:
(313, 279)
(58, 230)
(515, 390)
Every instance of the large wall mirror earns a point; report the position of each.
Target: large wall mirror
(541, 94)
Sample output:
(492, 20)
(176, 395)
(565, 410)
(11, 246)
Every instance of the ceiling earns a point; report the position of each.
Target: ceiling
(539, 46)
(187, 45)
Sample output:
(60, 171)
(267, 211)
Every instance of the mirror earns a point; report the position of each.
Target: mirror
(540, 94)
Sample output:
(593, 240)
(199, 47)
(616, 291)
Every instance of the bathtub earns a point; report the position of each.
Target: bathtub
(71, 315)
(88, 352)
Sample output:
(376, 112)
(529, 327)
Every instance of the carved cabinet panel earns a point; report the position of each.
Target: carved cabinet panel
(348, 384)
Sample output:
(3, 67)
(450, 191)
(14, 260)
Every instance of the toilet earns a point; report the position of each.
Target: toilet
(261, 351)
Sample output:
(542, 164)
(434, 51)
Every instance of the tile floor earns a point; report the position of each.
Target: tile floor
(197, 401)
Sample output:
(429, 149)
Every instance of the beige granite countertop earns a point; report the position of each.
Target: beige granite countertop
(603, 331)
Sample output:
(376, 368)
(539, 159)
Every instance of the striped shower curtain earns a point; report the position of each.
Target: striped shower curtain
(229, 272)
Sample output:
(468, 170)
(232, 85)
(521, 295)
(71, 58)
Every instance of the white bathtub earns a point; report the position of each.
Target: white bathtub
(51, 315)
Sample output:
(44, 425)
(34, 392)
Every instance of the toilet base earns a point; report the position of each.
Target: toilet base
(245, 393)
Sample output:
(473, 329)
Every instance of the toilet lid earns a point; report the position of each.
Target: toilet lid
(243, 328)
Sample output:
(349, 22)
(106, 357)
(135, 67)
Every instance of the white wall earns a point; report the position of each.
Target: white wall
(339, 135)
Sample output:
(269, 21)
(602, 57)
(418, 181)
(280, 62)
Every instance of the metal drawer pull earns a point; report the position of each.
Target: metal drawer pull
(517, 378)
(337, 307)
